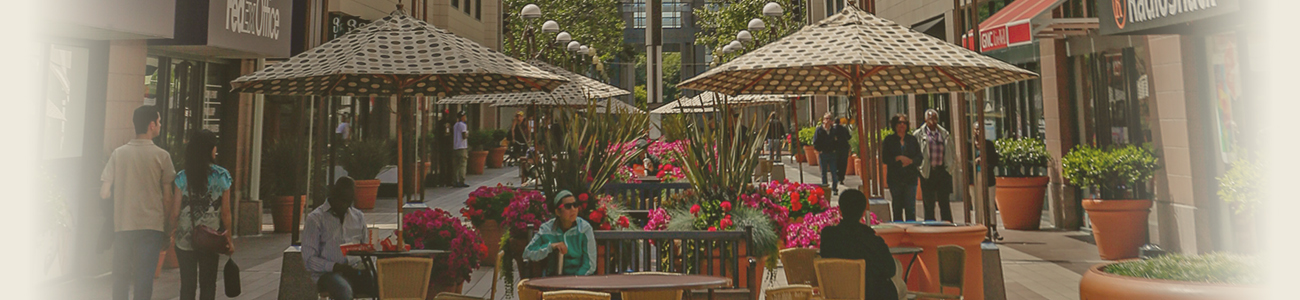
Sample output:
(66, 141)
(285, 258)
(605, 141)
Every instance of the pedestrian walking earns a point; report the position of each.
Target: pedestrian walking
(901, 152)
(344, 130)
(775, 137)
(443, 146)
(329, 226)
(977, 131)
(203, 191)
(138, 176)
(842, 148)
(937, 158)
(826, 145)
(460, 144)
(519, 135)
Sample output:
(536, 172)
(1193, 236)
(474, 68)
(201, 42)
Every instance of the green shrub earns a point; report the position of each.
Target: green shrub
(364, 159)
(806, 135)
(1209, 268)
(1240, 185)
(1112, 171)
(1022, 157)
(885, 133)
(481, 140)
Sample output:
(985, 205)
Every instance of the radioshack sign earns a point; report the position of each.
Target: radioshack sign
(1003, 36)
(1157, 16)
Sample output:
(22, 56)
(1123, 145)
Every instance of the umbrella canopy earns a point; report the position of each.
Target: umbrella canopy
(676, 108)
(712, 99)
(574, 93)
(884, 58)
(398, 55)
(616, 106)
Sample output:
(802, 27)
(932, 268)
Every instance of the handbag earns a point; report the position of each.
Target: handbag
(204, 238)
(231, 278)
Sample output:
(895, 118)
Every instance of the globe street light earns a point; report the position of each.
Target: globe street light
(550, 26)
(744, 36)
(584, 50)
(563, 38)
(736, 45)
(573, 46)
(756, 25)
(772, 9)
(530, 11)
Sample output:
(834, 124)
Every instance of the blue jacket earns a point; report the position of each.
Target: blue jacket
(581, 240)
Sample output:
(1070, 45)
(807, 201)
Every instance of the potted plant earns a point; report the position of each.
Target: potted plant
(1239, 187)
(1020, 194)
(436, 229)
(527, 211)
(479, 142)
(852, 168)
(1119, 222)
(364, 160)
(485, 209)
(282, 170)
(806, 138)
(496, 148)
(808, 234)
(1175, 277)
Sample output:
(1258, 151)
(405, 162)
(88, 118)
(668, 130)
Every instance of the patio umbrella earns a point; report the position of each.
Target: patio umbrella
(614, 105)
(675, 107)
(857, 54)
(714, 99)
(398, 56)
(575, 93)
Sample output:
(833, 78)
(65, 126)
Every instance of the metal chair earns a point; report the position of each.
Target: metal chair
(798, 264)
(897, 279)
(454, 296)
(653, 295)
(952, 271)
(790, 292)
(496, 272)
(574, 295)
(526, 293)
(841, 278)
(404, 277)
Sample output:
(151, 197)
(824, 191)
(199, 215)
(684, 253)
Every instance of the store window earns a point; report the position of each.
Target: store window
(1015, 109)
(1224, 76)
(189, 93)
(1113, 98)
(64, 120)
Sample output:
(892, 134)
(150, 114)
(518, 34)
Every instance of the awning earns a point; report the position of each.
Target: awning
(1014, 25)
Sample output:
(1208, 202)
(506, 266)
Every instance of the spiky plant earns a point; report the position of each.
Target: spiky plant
(578, 158)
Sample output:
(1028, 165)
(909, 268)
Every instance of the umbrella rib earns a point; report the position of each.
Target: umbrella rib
(837, 70)
(530, 82)
(954, 79)
(756, 80)
(336, 83)
(873, 71)
(442, 81)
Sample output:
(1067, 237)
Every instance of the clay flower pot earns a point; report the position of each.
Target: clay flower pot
(852, 168)
(282, 212)
(496, 157)
(811, 153)
(1097, 284)
(799, 157)
(477, 160)
(490, 232)
(366, 190)
(1020, 201)
(1119, 226)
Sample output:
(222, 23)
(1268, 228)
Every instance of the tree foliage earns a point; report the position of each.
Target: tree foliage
(719, 22)
(595, 23)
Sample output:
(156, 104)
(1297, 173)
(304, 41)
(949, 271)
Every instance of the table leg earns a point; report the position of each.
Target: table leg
(711, 294)
(908, 274)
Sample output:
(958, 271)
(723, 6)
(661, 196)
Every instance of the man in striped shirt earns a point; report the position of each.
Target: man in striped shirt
(937, 159)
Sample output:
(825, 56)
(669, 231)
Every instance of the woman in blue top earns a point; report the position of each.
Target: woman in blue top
(566, 233)
(203, 192)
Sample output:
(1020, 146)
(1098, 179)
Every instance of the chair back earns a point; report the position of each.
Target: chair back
(841, 278)
(653, 295)
(798, 264)
(404, 277)
(952, 267)
(455, 296)
(790, 292)
(574, 295)
(897, 279)
(527, 293)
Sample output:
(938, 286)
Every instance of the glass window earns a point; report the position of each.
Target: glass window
(466, 7)
(672, 13)
(66, 75)
(478, 9)
(1113, 98)
(1224, 69)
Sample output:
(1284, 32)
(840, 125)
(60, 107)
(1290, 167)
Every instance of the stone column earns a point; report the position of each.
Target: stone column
(1064, 203)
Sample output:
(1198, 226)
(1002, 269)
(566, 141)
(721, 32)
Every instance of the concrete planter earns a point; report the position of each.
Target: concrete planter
(1098, 285)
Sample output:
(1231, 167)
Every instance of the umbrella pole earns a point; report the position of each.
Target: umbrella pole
(401, 165)
(794, 142)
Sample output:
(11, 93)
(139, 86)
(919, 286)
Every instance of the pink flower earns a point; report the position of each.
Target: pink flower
(726, 207)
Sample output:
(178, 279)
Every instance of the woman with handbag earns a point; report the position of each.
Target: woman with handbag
(203, 194)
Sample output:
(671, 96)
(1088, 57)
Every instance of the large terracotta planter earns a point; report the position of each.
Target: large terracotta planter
(490, 232)
(1098, 285)
(366, 190)
(852, 168)
(282, 212)
(436, 288)
(496, 157)
(811, 153)
(477, 160)
(1119, 226)
(799, 157)
(1020, 201)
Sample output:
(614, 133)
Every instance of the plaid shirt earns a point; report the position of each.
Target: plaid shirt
(935, 141)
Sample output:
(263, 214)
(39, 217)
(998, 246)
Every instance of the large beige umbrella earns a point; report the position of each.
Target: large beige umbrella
(714, 99)
(575, 93)
(675, 107)
(398, 56)
(858, 54)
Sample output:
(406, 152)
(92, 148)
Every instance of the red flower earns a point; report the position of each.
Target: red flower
(713, 228)
(695, 209)
(482, 251)
(795, 206)
(771, 191)
(726, 206)
(583, 196)
(604, 226)
(622, 221)
(597, 216)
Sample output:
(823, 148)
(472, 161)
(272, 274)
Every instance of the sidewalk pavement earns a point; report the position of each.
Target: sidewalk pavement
(1045, 264)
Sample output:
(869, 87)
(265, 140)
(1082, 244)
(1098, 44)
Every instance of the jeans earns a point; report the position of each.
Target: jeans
(904, 194)
(462, 158)
(842, 162)
(198, 269)
(135, 258)
(827, 162)
(774, 150)
(342, 286)
(935, 190)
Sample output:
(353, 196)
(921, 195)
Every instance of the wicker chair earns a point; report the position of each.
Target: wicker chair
(653, 295)
(527, 293)
(574, 295)
(798, 264)
(790, 292)
(899, 283)
(404, 277)
(952, 271)
(454, 296)
(841, 278)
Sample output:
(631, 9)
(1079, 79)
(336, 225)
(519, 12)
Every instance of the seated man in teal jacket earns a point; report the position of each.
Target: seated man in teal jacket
(566, 233)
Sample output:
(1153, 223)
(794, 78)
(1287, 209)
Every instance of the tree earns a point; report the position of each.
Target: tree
(595, 23)
(719, 22)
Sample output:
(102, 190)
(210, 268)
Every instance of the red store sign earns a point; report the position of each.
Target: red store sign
(1003, 36)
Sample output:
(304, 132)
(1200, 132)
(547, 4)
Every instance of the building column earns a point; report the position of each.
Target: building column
(1062, 197)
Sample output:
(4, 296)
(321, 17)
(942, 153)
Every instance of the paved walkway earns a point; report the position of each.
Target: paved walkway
(1044, 264)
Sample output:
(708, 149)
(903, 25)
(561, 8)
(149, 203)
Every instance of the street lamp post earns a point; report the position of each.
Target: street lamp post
(528, 13)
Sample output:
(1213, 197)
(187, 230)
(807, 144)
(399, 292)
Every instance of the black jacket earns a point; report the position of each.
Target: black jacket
(853, 240)
(842, 137)
(894, 146)
(775, 130)
(992, 163)
(824, 141)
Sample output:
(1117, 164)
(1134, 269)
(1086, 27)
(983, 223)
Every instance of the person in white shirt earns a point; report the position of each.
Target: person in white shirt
(345, 129)
(329, 226)
(460, 144)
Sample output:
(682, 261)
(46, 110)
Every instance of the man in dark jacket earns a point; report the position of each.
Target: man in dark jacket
(775, 137)
(901, 153)
(977, 130)
(850, 239)
(842, 149)
(826, 145)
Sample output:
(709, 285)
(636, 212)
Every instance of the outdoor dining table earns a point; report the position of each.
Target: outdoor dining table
(616, 283)
(914, 251)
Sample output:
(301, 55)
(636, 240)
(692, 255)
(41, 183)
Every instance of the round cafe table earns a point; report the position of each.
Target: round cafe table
(617, 283)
